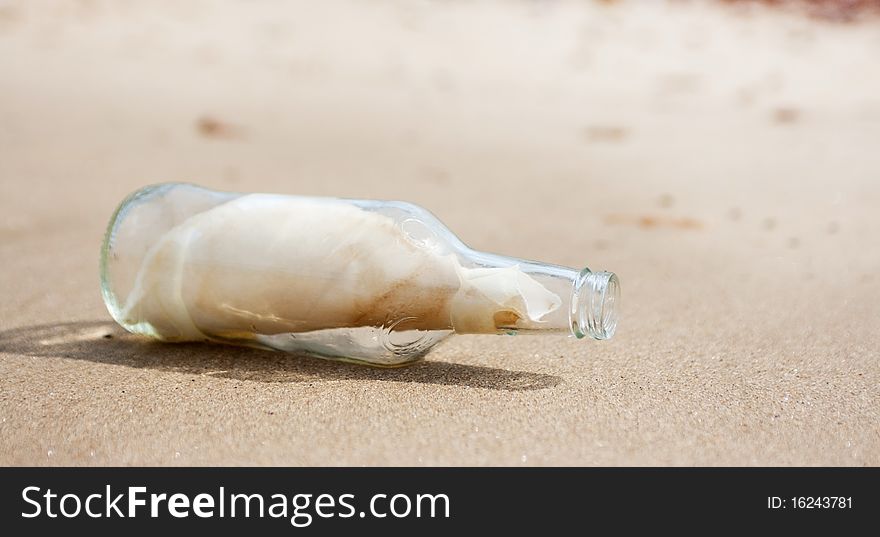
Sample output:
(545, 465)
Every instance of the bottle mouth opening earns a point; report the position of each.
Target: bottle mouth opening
(595, 301)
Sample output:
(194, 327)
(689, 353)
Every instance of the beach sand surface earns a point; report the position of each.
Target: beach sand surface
(722, 159)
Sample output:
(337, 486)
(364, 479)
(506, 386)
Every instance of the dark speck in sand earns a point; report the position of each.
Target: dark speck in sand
(436, 175)
(734, 214)
(605, 133)
(652, 221)
(211, 127)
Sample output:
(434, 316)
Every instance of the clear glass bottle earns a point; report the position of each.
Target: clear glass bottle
(376, 282)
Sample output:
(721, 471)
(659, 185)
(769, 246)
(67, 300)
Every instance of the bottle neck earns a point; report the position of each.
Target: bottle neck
(539, 298)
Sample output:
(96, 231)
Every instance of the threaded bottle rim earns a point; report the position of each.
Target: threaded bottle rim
(594, 304)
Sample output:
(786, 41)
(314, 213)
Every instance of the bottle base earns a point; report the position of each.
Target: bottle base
(375, 346)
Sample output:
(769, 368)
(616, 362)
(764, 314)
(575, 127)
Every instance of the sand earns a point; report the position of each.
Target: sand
(721, 159)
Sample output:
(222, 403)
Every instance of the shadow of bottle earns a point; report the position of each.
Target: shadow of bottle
(106, 343)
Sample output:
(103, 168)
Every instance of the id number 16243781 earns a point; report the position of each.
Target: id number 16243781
(810, 502)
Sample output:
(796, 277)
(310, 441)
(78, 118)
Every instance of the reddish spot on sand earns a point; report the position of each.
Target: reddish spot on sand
(830, 10)
(211, 127)
(786, 115)
(653, 221)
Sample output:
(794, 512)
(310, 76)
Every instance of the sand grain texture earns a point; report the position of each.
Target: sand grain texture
(722, 160)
